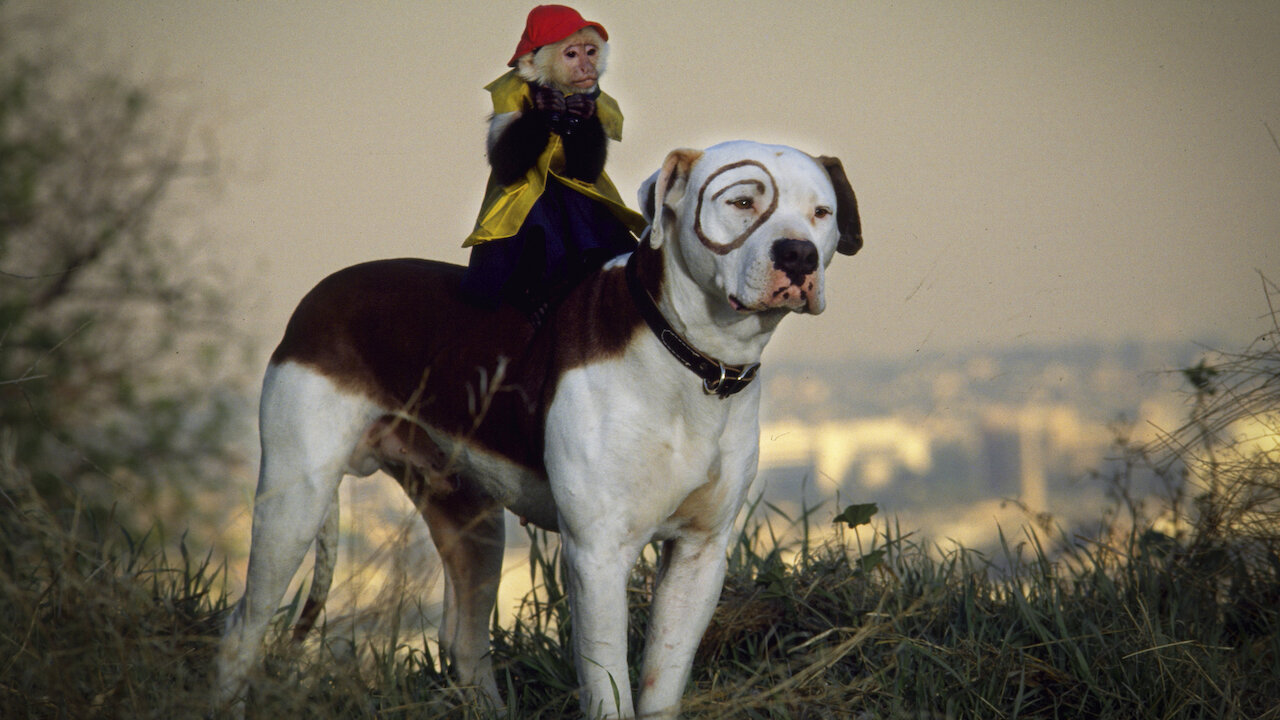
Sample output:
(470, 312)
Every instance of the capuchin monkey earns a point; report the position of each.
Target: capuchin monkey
(565, 80)
(550, 213)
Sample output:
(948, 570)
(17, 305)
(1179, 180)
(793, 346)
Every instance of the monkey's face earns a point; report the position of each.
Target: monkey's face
(577, 66)
(573, 65)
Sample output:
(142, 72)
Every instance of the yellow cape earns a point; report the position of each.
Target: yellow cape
(506, 206)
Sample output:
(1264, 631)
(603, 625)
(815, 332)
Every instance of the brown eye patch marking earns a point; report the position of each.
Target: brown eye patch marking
(759, 186)
(760, 220)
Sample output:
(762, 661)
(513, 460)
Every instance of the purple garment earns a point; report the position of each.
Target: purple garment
(565, 236)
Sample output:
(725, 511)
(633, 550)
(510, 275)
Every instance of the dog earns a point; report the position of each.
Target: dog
(630, 415)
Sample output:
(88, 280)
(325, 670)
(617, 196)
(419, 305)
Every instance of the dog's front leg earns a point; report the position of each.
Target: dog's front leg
(685, 594)
(596, 574)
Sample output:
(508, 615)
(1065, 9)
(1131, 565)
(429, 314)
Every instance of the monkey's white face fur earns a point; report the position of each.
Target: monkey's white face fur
(573, 65)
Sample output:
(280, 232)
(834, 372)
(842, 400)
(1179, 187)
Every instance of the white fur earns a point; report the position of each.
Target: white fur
(539, 66)
(635, 451)
(497, 125)
(623, 456)
(309, 429)
(622, 462)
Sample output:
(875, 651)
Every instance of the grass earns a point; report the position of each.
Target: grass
(93, 622)
(1170, 610)
(893, 629)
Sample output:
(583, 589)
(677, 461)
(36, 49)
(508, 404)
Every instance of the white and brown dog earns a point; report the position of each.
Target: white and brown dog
(629, 416)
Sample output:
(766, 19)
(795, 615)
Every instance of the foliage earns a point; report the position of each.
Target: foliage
(95, 621)
(115, 362)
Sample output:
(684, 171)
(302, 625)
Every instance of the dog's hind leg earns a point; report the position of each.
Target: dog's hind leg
(308, 429)
(322, 572)
(467, 529)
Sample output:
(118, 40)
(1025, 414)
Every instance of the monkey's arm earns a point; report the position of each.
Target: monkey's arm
(585, 150)
(515, 142)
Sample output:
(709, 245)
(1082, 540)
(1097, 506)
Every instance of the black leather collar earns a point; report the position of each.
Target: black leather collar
(717, 377)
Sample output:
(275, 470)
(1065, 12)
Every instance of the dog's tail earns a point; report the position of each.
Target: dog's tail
(322, 575)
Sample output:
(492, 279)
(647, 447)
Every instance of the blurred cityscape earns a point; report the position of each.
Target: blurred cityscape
(957, 446)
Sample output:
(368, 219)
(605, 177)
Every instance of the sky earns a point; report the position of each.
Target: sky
(1028, 173)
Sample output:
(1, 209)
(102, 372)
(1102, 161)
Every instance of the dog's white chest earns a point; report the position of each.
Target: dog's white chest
(657, 460)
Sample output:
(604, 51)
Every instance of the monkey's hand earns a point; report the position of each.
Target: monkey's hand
(578, 107)
(550, 104)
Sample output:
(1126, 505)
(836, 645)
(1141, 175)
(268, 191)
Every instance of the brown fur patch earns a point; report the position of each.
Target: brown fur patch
(760, 219)
(699, 511)
(599, 319)
(398, 332)
(847, 217)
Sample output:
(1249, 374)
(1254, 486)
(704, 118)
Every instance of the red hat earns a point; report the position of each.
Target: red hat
(549, 24)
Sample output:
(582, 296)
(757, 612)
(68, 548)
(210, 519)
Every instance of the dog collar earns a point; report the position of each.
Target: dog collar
(718, 378)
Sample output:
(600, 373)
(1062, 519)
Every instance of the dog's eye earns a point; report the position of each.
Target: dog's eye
(821, 211)
(744, 203)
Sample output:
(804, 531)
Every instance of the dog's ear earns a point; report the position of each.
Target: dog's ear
(847, 219)
(645, 196)
(665, 188)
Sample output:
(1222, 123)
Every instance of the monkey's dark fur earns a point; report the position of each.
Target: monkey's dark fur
(523, 140)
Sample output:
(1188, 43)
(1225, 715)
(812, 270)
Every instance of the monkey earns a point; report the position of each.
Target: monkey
(565, 83)
(550, 212)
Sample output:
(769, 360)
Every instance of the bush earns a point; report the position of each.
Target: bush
(119, 375)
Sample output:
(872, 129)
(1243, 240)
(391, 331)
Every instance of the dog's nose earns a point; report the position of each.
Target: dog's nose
(796, 258)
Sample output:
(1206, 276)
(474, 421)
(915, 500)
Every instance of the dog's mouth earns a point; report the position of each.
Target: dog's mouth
(744, 309)
(800, 303)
